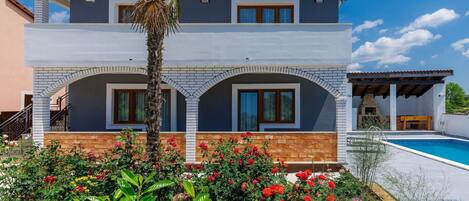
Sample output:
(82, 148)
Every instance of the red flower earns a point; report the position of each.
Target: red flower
(118, 145)
(267, 192)
(203, 146)
(100, 175)
(330, 198)
(222, 156)
(331, 184)
(240, 162)
(216, 174)
(79, 188)
(244, 186)
(243, 135)
(279, 189)
(274, 170)
(254, 182)
(322, 177)
(230, 182)
(250, 161)
(249, 133)
(236, 150)
(310, 183)
(302, 175)
(49, 179)
(211, 178)
(307, 198)
(172, 141)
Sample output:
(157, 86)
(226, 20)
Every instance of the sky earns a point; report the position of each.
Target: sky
(410, 35)
(394, 34)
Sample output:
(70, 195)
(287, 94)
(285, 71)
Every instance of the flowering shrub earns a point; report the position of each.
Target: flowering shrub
(239, 170)
(310, 187)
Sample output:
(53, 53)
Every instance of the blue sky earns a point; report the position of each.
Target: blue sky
(396, 34)
(410, 35)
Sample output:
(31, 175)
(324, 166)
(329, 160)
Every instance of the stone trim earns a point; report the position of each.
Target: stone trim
(80, 74)
(192, 115)
(281, 70)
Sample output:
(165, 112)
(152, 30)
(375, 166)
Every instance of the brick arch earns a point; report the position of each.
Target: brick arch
(277, 70)
(72, 77)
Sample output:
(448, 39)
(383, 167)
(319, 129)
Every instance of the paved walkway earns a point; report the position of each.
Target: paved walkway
(436, 173)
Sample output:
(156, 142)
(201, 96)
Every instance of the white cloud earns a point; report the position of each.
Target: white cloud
(354, 67)
(388, 50)
(467, 13)
(383, 31)
(435, 56)
(367, 25)
(355, 39)
(59, 17)
(422, 63)
(433, 20)
(460, 46)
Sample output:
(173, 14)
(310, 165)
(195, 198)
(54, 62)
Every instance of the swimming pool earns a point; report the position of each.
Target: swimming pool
(450, 149)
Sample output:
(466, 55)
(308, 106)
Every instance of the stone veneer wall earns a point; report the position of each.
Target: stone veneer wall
(288, 146)
(101, 142)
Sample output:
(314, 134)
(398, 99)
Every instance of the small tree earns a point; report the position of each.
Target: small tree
(157, 18)
(455, 98)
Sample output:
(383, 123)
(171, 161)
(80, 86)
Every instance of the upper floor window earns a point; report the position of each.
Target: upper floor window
(265, 14)
(125, 13)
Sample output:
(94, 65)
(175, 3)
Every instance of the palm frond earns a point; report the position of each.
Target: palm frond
(156, 16)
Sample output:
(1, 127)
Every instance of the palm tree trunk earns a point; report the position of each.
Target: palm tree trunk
(153, 96)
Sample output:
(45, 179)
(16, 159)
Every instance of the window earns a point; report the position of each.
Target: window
(129, 107)
(125, 13)
(265, 106)
(265, 14)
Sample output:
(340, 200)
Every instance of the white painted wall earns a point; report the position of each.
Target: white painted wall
(457, 125)
(88, 45)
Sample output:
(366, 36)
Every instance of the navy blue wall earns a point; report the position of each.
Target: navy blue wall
(312, 12)
(217, 11)
(192, 11)
(89, 12)
(317, 105)
(88, 101)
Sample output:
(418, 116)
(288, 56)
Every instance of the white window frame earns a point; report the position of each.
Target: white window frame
(114, 9)
(110, 87)
(236, 3)
(262, 126)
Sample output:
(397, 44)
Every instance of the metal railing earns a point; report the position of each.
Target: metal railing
(18, 124)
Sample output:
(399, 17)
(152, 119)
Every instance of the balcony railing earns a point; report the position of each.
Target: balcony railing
(85, 45)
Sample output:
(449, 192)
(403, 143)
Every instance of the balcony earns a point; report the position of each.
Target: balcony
(97, 45)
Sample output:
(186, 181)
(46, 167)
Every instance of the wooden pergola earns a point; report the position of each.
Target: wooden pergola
(408, 83)
(395, 84)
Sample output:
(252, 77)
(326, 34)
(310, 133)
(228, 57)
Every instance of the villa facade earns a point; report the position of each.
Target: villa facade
(275, 68)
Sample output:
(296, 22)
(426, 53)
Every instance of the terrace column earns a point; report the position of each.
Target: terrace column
(439, 106)
(41, 11)
(41, 119)
(341, 124)
(349, 93)
(392, 107)
(192, 115)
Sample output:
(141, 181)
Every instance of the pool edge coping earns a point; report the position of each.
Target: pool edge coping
(429, 156)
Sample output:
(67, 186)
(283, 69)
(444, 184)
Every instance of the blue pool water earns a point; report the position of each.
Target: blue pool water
(455, 150)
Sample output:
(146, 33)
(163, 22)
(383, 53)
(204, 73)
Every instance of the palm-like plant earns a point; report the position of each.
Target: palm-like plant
(157, 18)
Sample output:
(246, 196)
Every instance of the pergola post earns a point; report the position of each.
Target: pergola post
(41, 11)
(439, 106)
(392, 107)
(192, 115)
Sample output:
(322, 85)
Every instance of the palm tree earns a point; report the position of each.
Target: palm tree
(158, 19)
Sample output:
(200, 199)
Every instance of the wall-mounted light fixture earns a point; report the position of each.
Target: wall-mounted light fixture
(91, 1)
(318, 1)
(205, 1)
